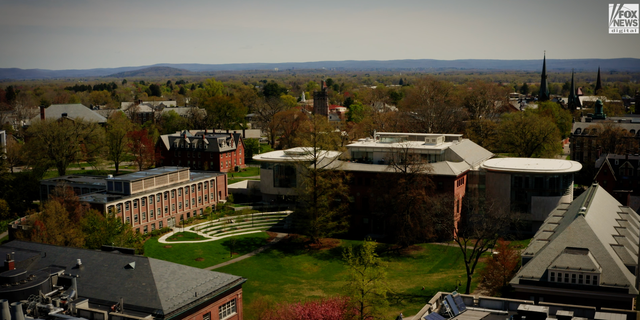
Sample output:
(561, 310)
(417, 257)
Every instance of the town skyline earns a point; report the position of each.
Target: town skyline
(85, 35)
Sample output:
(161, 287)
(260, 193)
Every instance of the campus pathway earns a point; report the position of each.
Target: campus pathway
(277, 239)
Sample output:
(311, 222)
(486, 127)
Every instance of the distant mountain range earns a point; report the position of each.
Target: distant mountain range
(424, 65)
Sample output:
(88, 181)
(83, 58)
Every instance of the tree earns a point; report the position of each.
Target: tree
(432, 106)
(110, 230)
(10, 94)
(478, 230)
(527, 134)
(155, 90)
(142, 148)
(172, 122)
(484, 132)
(290, 124)
(613, 138)
(356, 112)
(13, 153)
(224, 112)
(524, 89)
(336, 308)
(366, 280)
(118, 127)
(59, 143)
(500, 268)
(561, 117)
(265, 113)
(322, 191)
(273, 90)
(484, 99)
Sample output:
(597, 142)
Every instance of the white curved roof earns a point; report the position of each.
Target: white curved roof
(532, 165)
(295, 154)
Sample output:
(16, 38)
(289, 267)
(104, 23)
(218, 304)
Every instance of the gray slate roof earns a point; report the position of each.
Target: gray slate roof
(214, 142)
(73, 111)
(608, 230)
(153, 286)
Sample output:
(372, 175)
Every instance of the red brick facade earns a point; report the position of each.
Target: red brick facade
(202, 156)
(212, 310)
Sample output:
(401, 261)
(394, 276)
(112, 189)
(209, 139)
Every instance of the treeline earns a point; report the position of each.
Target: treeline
(110, 87)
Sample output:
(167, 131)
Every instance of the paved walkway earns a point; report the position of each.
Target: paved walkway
(277, 239)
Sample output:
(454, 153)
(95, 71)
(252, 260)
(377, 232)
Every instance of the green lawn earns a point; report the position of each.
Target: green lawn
(290, 273)
(212, 252)
(185, 236)
(246, 172)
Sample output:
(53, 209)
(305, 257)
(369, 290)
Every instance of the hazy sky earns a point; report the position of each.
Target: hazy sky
(81, 34)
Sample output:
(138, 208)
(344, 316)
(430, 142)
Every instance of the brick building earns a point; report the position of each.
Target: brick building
(620, 176)
(160, 197)
(202, 150)
(112, 285)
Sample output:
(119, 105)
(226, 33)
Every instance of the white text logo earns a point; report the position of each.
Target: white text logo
(623, 18)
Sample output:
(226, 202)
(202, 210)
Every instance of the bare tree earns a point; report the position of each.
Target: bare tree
(482, 223)
(433, 106)
(265, 113)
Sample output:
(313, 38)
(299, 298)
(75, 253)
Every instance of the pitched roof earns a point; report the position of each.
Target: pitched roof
(213, 142)
(469, 152)
(595, 224)
(73, 111)
(146, 284)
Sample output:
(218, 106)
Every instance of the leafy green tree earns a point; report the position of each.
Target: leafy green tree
(118, 126)
(527, 134)
(109, 230)
(172, 122)
(366, 280)
(10, 94)
(356, 112)
(329, 82)
(59, 143)
(484, 99)
(251, 147)
(155, 90)
(561, 117)
(124, 81)
(289, 100)
(524, 89)
(224, 112)
(273, 90)
(53, 225)
(484, 132)
(322, 191)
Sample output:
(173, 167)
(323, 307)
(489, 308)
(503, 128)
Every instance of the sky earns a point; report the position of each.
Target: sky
(85, 34)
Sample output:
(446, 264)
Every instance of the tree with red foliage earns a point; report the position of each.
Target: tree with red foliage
(500, 268)
(142, 148)
(336, 308)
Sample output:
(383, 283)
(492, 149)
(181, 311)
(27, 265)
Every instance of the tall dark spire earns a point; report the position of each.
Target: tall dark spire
(574, 101)
(598, 82)
(544, 85)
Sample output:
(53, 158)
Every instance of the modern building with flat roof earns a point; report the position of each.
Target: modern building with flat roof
(530, 187)
(80, 184)
(155, 198)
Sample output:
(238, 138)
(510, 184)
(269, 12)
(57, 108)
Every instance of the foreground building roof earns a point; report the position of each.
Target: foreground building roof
(593, 236)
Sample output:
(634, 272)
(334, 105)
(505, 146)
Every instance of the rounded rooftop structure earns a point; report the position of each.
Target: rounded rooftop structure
(532, 165)
(295, 155)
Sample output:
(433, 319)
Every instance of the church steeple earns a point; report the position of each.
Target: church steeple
(544, 85)
(573, 102)
(598, 82)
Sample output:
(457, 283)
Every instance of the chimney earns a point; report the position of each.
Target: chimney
(16, 311)
(9, 264)
(42, 113)
(5, 312)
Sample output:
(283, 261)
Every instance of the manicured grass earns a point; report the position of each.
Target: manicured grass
(520, 244)
(246, 172)
(212, 252)
(185, 236)
(288, 272)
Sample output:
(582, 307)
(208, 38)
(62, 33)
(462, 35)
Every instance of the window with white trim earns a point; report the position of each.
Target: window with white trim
(227, 310)
(206, 316)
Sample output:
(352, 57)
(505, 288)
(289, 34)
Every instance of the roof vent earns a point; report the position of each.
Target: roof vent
(582, 211)
(130, 265)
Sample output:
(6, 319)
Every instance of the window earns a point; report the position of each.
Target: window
(160, 224)
(566, 278)
(573, 278)
(186, 203)
(595, 280)
(128, 220)
(186, 190)
(580, 279)
(173, 207)
(206, 185)
(144, 215)
(193, 188)
(180, 205)
(587, 279)
(199, 200)
(206, 316)
(166, 196)
(153, 226)
(552, 277)
(179, 192)
(126, 206)
(173, 194)
(193, 201)
(158, 197)
(145, 230)
(159, 213)
(150, 200)
(559, 276)
(199, 186)
(166, 209)
(151, 214)
(227, 309)
(211, 197)
(135, 218)
(119, 208)
(135, 204)
(206, 198)
(143, 202)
